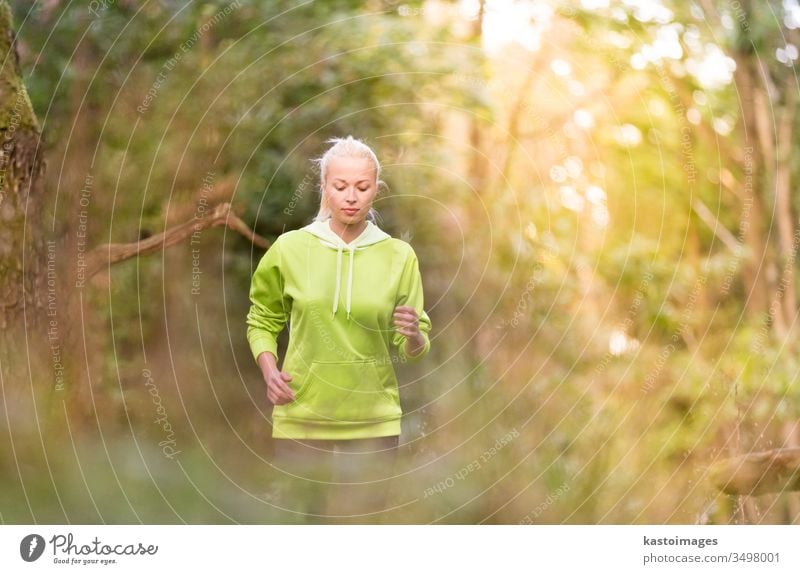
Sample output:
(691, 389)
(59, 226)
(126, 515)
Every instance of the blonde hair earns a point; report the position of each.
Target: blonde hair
(344, 147)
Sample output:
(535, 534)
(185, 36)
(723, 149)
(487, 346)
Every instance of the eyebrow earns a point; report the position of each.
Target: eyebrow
(344, 180)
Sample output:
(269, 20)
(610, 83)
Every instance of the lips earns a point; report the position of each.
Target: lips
(350, 211)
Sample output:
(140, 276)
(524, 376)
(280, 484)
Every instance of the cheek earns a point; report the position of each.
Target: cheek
(333, 197)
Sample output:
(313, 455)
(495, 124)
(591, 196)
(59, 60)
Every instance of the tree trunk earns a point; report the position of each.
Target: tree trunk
(22, 274)
(31, 324)
(513, 128)
(478, 171)
(752, 209)
(783, 207)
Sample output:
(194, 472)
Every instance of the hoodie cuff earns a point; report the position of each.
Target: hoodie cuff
(259, 345)
(405, 358)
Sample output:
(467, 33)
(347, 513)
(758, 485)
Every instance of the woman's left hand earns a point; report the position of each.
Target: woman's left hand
(406, 321)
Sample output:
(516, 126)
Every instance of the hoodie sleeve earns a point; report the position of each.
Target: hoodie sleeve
(270, 308)
(410, 293)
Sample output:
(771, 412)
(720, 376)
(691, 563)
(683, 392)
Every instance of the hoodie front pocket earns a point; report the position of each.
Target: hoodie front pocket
(344, 391)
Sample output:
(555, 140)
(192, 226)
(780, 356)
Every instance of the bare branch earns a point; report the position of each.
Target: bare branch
(719, 230)
(775, 470)
(106, 255)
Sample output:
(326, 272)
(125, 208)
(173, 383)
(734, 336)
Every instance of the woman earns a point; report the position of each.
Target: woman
(351, 293)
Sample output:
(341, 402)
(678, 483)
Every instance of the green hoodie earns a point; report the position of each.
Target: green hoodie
(341, 328)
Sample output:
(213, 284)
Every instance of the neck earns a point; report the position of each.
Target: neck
(347, 231)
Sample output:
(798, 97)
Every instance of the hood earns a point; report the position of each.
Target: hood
(372, 234)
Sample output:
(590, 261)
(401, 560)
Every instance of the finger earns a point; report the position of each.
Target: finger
(406, 316)
(274, 398)
(286, 376)
(281, 382)
(405, 311)
(285, 394)
(281, 390)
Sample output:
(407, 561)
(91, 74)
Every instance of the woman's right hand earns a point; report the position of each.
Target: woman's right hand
(278, 392)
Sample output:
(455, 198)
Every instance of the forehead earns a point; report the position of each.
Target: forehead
(348, 168)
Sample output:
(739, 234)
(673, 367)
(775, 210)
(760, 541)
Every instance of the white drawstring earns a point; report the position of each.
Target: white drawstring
(328, 237)
(338, 279)
(350, 282)
(338, 272)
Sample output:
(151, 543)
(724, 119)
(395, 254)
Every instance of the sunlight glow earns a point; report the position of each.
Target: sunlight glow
(600, 216)
(650, 11)
(583, 118)
(511, 21)
(723, 126)
(628, 135)
(560, 67)
(619, 343)
(574, 166)
(700, 98)
(657, 107)
(791, 16)
(666, 45)
(787, 55)
(570, 198)
(715, 70)
(558, 174)
(596, 195)
(576, 88)
(594, 4)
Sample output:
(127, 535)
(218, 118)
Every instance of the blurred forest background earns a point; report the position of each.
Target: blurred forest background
(599, 193)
